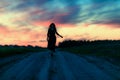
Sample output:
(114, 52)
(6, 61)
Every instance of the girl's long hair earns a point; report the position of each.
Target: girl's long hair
(52, 27)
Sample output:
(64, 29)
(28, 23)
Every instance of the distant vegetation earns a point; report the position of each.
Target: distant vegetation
(9, 50)
(109, 48)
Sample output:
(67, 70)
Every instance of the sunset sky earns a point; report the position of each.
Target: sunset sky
(25, 22)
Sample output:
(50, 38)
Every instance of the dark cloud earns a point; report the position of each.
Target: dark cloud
(72, 11)
(101, 12)
(108, 17)
(51, 10)
(26, 4)
(71, 16)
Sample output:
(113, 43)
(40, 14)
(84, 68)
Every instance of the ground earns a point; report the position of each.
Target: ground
(60, 66)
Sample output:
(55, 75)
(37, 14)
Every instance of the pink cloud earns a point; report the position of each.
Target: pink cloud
(3, 29)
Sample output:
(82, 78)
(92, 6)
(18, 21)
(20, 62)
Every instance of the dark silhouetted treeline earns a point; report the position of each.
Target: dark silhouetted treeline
(9, 50)
(106, 48)
(73, 43)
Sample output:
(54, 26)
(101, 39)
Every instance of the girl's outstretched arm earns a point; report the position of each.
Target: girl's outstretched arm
(59, 34)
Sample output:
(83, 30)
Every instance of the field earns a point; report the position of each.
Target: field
(13, 50)
(95, 48)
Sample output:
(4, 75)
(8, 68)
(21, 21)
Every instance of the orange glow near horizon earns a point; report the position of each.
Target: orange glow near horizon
(37, 37)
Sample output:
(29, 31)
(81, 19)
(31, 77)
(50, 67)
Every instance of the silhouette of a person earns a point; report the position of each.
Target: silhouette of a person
(51, 37)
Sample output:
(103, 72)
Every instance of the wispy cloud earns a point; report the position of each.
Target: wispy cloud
(65, 11)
